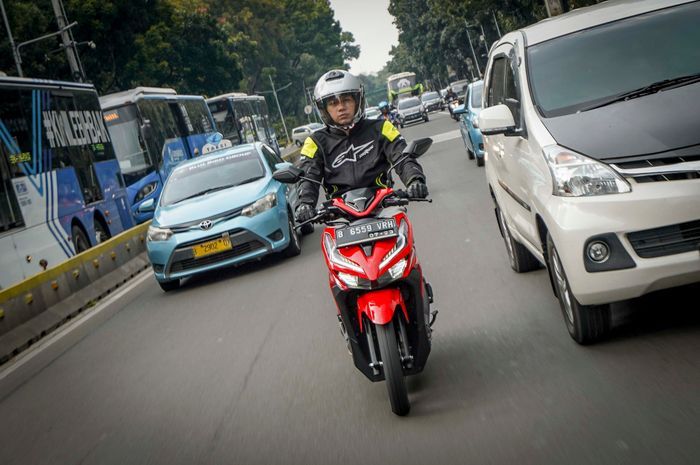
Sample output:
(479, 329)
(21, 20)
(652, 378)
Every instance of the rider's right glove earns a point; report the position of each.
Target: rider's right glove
(417, 189)
(304, 212)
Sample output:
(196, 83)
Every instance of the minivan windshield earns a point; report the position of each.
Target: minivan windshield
(408, 103)
(210, 174)
(587, 68)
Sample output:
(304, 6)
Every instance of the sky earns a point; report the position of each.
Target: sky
(371, 24)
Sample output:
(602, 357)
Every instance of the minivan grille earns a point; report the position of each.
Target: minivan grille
(671, 168)
(667, 240)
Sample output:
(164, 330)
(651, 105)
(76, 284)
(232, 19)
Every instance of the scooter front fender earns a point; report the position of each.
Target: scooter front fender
(379, 306)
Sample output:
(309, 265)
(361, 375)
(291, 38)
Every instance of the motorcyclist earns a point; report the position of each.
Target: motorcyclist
(387, 112)
(450, 95)
(351, 151)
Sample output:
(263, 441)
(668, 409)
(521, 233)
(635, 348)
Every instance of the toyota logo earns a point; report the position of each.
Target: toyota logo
(206, 224)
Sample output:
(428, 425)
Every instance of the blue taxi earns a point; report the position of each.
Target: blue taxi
(220, 209)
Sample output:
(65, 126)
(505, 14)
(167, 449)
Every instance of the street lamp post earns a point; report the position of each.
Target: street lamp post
(469, 37)
(284, 125)
(68, 43)
(15, 52)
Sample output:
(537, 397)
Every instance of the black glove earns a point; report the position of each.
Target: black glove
(304, 212)
(417, 189)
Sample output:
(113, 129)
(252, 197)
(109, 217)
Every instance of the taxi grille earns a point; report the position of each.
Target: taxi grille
(243, 242)
(667, 240)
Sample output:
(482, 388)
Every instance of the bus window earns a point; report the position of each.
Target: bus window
(222, 112)
(123, 125)
(75, 153)
(244, 113)
(13, 122)
(164, 128)
(198, 116)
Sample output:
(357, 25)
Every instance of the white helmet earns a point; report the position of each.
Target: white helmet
(333, 84)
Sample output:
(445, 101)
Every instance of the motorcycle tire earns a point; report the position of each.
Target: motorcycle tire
(393, 370)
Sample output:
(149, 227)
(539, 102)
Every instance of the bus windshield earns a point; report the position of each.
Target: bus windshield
(123, 125)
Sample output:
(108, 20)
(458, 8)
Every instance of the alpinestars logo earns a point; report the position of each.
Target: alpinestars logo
(353, 154)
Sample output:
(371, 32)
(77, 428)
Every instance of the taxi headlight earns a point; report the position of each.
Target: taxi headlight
(261, 205)
(156, 234)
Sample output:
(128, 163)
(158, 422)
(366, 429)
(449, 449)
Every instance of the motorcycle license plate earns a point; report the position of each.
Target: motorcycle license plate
(366, 232)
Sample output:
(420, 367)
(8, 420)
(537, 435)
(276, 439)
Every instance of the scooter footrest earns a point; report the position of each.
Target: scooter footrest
(433, 317)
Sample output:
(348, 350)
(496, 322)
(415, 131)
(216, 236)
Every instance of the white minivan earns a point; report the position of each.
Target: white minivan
(591, 126)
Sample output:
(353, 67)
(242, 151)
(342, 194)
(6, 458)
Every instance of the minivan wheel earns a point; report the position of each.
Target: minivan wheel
(521, 260)
(586, 323)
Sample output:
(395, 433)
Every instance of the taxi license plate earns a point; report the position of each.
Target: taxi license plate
(366, 232)
(221, 244)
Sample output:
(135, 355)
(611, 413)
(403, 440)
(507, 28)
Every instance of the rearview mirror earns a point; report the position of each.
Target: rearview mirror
(496, 120)
(147, 206)
(287, 174)
(146, 130)
(281, 166)
(460, 110)
(418, 147)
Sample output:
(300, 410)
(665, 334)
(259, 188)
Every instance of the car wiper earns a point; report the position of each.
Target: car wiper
(205, 191)
(246, 181)
(647, 90)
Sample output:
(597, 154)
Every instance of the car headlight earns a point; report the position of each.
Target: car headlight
(156, 234)
(401, 242)
(575, 175)
(260, 205)
(145, 191)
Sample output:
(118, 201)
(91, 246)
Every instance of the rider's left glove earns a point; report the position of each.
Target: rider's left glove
(417, 189)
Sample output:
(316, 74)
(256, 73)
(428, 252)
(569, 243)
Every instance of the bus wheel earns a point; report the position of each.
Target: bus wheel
(80, 240)
(101, 231)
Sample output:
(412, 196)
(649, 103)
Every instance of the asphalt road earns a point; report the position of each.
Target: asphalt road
(247, 366)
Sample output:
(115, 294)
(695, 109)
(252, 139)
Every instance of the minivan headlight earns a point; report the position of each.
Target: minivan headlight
(575, 175)
(260, 205)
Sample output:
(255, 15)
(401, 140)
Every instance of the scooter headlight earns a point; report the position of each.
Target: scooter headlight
(401, 242)
(336, 257)
(397, 270)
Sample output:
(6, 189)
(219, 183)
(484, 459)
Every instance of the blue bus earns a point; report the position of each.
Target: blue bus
(153, 129)
(243, 118)
(61, 190)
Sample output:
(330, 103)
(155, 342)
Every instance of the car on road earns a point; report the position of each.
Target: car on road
(459, 88)
(432, 101)
(220, 209)
(373, 113)
(411, 110)
(593, 153)
(299, 134)
(469, 123)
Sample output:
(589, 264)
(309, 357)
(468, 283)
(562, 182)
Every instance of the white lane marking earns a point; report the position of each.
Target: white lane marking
(445, 136)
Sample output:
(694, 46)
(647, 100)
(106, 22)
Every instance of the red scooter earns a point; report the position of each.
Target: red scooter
(382, 297)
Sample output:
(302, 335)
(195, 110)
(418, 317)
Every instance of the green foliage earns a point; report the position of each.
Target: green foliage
(194, 46)
(433, 39)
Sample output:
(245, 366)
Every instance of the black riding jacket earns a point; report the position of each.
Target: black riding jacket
(358, 159)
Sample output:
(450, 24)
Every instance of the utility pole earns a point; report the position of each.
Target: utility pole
(15, 53)
(284, 125)
(483, 38)
(68, 43)
(496, 23)
(476, 62)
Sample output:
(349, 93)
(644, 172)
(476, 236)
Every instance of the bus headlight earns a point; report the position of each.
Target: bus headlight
(261, 205)
(156, 234)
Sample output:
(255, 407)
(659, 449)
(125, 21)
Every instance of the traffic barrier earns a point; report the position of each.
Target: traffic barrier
(36, 306)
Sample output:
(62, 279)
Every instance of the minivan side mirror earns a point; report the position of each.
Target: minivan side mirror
(497, 120)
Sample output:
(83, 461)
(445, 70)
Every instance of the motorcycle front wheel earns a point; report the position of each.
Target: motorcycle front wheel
(393, 370)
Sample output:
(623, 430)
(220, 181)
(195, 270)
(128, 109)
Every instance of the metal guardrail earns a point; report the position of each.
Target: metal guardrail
(38, 305)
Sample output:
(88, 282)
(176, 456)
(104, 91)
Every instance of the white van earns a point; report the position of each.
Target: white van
(591, 127)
